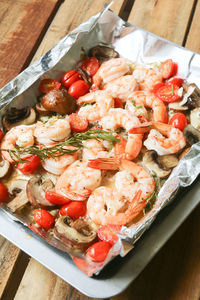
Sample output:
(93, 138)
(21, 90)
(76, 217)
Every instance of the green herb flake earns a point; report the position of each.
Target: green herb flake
(172, 89)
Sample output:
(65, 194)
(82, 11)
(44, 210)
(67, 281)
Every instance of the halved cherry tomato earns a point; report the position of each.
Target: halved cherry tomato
(70, 77)
(179, 121)
(77, 123)
(3, 193)
(56, 198)
(37, 230)
(90, 65)
(78, 88)
(74, 209)
(168, 93)
(168, 68)
(157, 86)
(48, 84)
(1, 135)
(107, 233)
(33, 162)
(176, 80)
(118, 103)
(43, 218)
(98, 251)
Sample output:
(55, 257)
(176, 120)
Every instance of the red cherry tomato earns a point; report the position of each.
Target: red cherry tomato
(43, 218)
(90, 65)
(78, 123)
(179, 121)
(98, 251)
(37, 230)
(118, 103)
(56, 198)
(157, 86)
(1, 135)
(74, 209)
(168, 68)
(70, 77)
(107, 233)
(31, 165)
(78, 89)
(3, 193)
(176, 80)
(48, 84)
(168, 93)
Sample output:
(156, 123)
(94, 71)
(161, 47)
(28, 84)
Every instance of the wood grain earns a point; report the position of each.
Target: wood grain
(67, 19)
(166, 18)
(193, 39)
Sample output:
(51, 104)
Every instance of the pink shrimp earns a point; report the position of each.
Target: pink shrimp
(120, 205)
(109, 70)
(150, 100)
(147, 77)
(21, 135)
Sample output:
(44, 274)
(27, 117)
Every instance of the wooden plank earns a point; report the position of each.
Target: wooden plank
(166, 18)
(21, 23)
(193, 38)
(67, 19)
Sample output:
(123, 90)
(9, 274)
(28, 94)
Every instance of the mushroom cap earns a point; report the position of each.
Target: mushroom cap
(191, 134)
(17, 188)
(103, 53)
(195, 118)
(4, 168)
(42, 111)
(150, 161)
(15, 117)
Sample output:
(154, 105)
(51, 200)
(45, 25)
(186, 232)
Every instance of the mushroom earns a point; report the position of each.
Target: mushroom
(103, 53)
(191, 95)
(42, 111)
(177, 106)
(15, 117)
(191, 134)
(77, 235)
(85, 76)
(161, 165)
(36, 189)
(59, 101)
(4, 168)
(195, 118)
(17, 189)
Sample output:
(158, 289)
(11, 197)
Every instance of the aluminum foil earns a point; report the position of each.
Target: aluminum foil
(137, 45)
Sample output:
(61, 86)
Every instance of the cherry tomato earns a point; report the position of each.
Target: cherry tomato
(31, 165)
(43, 218)
(98, 251)
(1, 135)
(48, 84)
(107, 233)
(118, 103)
(176, 80)
(179, 121)
(78, 123)
(3, 193)
(78, 89)
(157, 86)
(90, 65)
(168, 68)
(56, 198)
(37, 230)
(74, 209)
(70, 77)
(168, 93)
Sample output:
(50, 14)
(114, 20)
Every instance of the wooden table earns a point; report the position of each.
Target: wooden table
(28, 29)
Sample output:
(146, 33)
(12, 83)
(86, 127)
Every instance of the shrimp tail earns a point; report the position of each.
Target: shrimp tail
(104, 163)
(143, 128)
(80, 195)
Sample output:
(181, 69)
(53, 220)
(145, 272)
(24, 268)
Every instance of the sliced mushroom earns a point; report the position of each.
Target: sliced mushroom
(185, 151)
(42, 111)
(17, 189)
(177, 106)
(85, 76)
(4, 168)
(77, 235)
(168, 161)
(59, 101)
(195, 118)
(103, 53)
(191, 134)
(150, 161)
(36, 189)
(192, 93)
(15, 117)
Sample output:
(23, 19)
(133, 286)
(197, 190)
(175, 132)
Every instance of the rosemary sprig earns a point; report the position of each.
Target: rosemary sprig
(60, 149)
(153, 197)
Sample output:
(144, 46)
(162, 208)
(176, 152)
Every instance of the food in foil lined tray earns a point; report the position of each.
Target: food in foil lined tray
(98, 136)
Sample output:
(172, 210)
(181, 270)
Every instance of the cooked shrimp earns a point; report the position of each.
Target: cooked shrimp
(58, 164)
(77, 181)
(121, 87)
(100, 102)
(122, 204)
(109, 70)
(165, 139)
(94, 149)
(54, 130)
(147, 77)
(21, 135)
(118, 117)
(150, 100)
